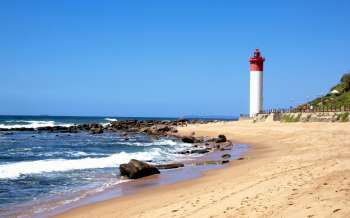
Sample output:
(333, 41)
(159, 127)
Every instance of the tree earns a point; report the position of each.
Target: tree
(345, 78)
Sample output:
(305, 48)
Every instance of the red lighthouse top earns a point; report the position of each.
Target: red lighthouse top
(256, 62)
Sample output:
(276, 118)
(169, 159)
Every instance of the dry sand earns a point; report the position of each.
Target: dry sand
(292, 170)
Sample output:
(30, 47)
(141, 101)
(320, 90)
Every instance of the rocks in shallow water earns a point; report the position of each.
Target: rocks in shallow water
(96, 130)
(163, 128)
(221, 139)
(137, 169)
(195, 151)
(226, 156)
(169, 166)
(199, 151)
(225, 161)
(212, 163)
(188, 139)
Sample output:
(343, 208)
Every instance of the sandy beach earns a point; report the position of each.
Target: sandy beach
(291, 170)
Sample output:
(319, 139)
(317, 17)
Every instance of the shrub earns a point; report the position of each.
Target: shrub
(345, 78)
(341, 87)
(289, 118)
(343, 117)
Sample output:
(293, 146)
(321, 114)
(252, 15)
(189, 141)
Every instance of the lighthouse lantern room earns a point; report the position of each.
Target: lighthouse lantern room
(256, 83)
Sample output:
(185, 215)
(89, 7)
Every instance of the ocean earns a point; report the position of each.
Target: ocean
(53, 169)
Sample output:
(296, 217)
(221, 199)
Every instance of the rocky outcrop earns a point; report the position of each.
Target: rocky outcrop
(221, 139)
(188, 139)
(137, 169)
(151, 127)
(96, 131)
(169, 166)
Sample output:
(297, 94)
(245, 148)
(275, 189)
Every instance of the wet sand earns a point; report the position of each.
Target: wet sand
(292, 170)
(194, 167)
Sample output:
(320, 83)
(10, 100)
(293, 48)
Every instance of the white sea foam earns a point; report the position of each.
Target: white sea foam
(14, 170)
(157, 143)
(33, 124)
(111, 119)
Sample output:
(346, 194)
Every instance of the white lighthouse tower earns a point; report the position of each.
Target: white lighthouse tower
(256, 83)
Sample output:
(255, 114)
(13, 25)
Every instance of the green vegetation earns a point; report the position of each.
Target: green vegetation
(338, 96)
(343, 117)
(289, 118)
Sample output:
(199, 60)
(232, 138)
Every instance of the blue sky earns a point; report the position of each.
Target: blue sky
(166, 58)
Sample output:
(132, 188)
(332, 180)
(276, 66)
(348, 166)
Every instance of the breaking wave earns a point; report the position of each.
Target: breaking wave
(14, 170)
(31, 124)
(111, 119)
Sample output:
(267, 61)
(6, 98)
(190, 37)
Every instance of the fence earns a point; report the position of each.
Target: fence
(303, 109)
(310, 109)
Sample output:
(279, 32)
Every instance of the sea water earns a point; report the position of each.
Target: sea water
(42, 173)
(41, 168)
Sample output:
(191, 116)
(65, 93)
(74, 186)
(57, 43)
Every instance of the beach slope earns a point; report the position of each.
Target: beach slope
(291, 170)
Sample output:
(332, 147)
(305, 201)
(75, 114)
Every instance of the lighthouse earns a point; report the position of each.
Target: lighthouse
(256, 83)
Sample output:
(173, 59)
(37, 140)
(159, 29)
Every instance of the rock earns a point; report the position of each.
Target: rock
(208, 163)
(211, 162)
(169, 166)
(227, 144)
(96, 130)
(225, 161)
(199, 151)
(182, 120)
(137, 169)
(184, 152)
(221, 139)
(163, 128)
(188, 139)
(226, 156)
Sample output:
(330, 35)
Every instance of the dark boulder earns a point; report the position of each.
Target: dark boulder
(226, 156)
(184, 152)
(221, 139)
(199, 151)
(163, 128)
(137, 169)
(169, 166)
(225, 161)
(188, 139)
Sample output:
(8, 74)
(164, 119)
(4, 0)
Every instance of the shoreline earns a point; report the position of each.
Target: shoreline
(287, 172)
(208, 170)
(194, 168)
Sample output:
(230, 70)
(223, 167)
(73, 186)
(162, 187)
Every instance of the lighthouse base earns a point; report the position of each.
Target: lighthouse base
(256, 92)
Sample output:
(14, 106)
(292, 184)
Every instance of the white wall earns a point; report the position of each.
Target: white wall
(256, 92)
